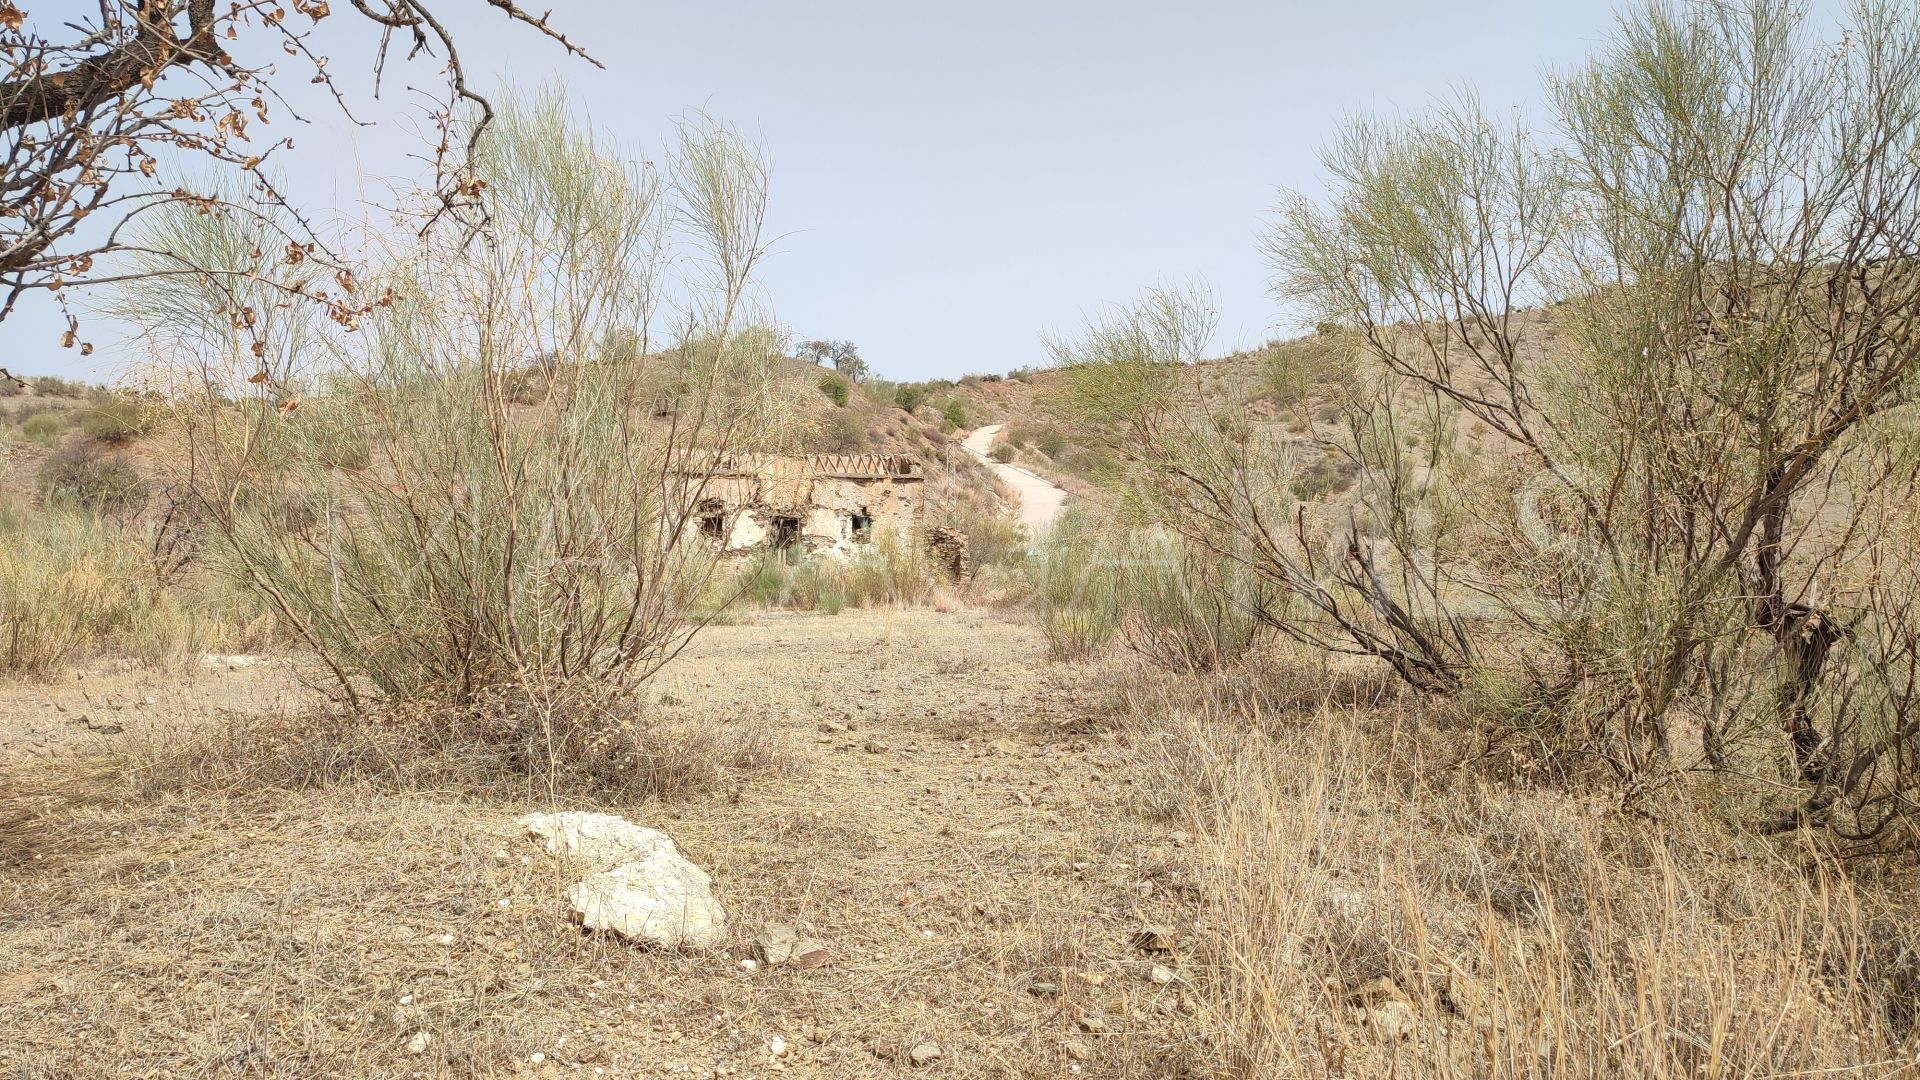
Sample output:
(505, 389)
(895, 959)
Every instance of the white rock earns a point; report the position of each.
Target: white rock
(777, 1047)
(607, 840)
(664, 900)
(419, 1043)
(649, 891)
(1394, 1020)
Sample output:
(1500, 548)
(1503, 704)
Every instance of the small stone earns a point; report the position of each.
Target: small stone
(1156, 939)
(1393, 1021)
(1161, 975)
(1374, 991)
(749, 964)
(1077, 1050)
(419, 1043)
(406, 999)
(923, 1053)
(1093, 1025)
(1043, 989)
(810, 953)
(777, 1046)
(1180, 837)
(873, 747)
(536, 1058)
(774, 943)
(445, 939)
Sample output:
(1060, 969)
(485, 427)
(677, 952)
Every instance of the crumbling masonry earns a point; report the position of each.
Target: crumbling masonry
(823, 503)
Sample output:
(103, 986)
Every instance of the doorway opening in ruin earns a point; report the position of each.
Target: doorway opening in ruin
(863, 525)
(786, 532)
(713, 519)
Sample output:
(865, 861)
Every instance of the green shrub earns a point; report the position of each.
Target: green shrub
(836, 390)
(62, 587)
(117, 421)
(73, 582)
(1187, 612)
(516, 575)
(992, 539)
(955, 415)
(909, 396)
(44, 429)
(845, 432)
(1074, 589)
(53, 386)
(893, 570)
(87, 476)
(1003, 454)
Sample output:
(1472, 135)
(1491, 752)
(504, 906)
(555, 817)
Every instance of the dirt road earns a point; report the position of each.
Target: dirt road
(1040, 500)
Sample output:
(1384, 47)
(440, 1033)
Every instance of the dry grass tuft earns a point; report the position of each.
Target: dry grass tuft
(1375, 903)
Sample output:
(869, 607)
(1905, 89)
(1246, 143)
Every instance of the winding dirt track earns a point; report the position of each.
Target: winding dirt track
(1040, 500)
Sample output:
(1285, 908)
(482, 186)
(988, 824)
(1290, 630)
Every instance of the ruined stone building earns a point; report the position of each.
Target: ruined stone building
(824, 503)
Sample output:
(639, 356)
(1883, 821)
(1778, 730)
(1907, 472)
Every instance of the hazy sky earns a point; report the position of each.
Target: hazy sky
(953, 183)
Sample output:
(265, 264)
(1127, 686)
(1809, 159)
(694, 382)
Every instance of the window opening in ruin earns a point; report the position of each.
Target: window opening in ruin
(713, 526)
(862, 525)
(786, 532)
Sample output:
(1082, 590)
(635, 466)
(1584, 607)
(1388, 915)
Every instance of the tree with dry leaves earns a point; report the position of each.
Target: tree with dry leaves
(104, 114)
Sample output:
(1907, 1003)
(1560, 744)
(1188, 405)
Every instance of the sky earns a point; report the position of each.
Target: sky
(955, 184)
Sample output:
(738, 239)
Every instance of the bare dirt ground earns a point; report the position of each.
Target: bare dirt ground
(928, 798)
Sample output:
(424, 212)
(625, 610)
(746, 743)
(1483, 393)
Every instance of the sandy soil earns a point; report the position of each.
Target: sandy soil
(1041, 501)
(933, 801)
(103, 705)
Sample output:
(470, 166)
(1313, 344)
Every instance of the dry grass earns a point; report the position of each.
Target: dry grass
(1377, 903)
(298, 900)
(1355, 888)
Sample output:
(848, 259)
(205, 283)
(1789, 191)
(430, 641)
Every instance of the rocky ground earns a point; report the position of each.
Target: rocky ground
(939, 819)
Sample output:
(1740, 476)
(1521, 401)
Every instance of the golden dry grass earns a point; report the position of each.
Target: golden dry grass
(1383, 898)
(1355, 887)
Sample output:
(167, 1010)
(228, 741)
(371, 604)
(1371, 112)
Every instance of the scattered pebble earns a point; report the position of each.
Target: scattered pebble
(810, 953)
(1158, 939)
(775, 943)
(419, 1043)
(924, 1053)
